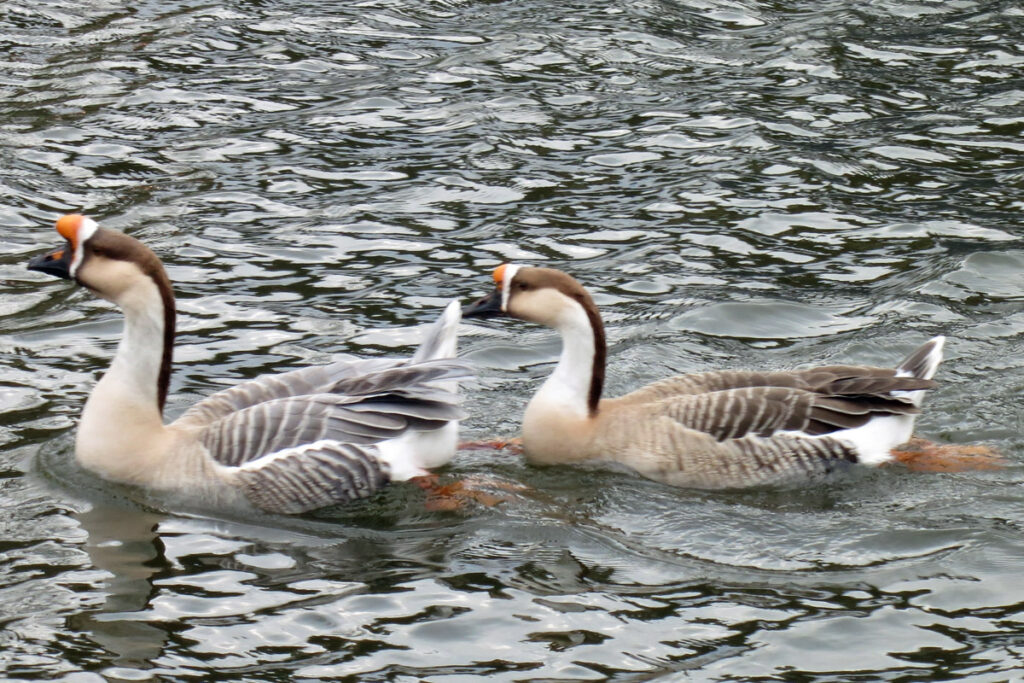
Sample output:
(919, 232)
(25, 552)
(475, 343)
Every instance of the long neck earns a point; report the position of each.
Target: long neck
(140, 373)
(121, 434)
(578, 379)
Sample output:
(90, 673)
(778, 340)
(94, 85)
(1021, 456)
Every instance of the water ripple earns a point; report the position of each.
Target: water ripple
(739, 183)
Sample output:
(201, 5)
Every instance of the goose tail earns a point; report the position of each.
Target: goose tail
(416, 451)
(442, 336)
(924, 361)
(925, 456)
(875, 440)
(921, 364)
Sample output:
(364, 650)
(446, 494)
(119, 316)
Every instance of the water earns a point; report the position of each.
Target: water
(741, 184)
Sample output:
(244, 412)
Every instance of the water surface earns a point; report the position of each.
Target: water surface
(741, 184)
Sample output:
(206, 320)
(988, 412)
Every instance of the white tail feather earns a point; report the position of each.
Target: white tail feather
(875, 440)
(922, 364)
(412, 453)
(441, 337)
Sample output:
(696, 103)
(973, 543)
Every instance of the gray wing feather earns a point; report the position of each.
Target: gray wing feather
(313, 380)
(310, 477)
(735, 413)
(351, 377)
(420, 415)
(402, 376)
(271, 426)
(833, 380)
(440, 338)
(362, 401)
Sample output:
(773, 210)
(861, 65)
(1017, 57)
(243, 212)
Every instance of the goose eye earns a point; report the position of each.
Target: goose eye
(522, 286)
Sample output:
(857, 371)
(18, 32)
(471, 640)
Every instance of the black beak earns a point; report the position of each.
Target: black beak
(487, 307)
(57, 263)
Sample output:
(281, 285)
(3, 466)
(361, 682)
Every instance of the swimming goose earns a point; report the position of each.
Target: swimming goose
(283, 443)
(710, 430)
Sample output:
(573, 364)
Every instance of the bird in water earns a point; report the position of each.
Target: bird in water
(713, 430)
(282, 443)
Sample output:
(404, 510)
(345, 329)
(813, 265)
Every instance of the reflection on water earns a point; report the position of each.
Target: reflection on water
(741, 184)
(124, 543)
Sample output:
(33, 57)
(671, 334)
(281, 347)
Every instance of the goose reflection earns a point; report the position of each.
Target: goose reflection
(126, 544)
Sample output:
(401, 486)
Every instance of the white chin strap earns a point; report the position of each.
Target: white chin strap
(506, 284)
(86, 229)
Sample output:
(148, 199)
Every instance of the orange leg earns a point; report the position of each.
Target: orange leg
(921, 455)
(455, 495)
(514, 445)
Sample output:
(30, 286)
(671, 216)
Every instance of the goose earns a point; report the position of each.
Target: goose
(281, 443)
(712, 430)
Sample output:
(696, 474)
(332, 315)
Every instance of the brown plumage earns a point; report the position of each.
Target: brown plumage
(731, 404)
(709, 430)
(282, 443)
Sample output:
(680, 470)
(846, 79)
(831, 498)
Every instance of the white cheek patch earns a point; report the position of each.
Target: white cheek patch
(506, 284)
(86, 229)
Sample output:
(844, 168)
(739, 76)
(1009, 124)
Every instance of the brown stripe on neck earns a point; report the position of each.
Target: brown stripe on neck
(151, 266)
(163, 382)
(600, 356)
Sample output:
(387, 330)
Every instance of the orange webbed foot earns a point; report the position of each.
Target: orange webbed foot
(513, 445)
(455, 495)
(921, 455)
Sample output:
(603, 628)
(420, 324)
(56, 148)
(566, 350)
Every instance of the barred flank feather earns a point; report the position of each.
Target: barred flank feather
(312, 476)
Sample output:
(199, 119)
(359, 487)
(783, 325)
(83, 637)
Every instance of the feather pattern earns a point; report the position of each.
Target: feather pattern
(385, 409)
(736, 429)
(312, 476)
(830, 380)
(288, 422)
(680, 456)
(340, 377)
(765, 409)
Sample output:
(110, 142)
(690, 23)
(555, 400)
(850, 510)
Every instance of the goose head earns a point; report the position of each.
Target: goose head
(540, 295)
(124, 271)
(113, 265)
(550, 297)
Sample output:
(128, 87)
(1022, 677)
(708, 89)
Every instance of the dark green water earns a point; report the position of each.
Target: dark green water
(742, 184)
